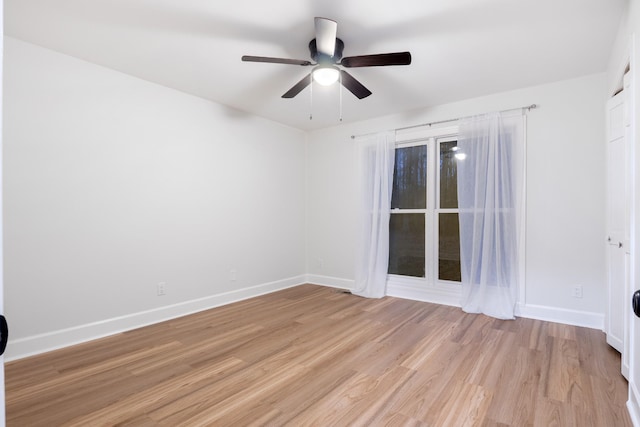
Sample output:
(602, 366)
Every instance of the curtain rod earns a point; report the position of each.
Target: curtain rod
(526, 107)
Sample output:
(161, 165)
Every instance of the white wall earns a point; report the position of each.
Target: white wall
(565, 194)
(113, 184)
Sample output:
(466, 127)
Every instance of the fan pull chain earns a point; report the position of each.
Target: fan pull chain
(340, 89)
(310, 96)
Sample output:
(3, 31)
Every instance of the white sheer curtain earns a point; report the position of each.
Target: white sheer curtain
(490, 199)
(376, 157)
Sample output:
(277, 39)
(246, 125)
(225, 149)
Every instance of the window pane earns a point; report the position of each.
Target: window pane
(449, 247)
(410, 178)
(448, 175)
(406, 244)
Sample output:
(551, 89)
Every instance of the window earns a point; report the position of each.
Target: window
(424, 239)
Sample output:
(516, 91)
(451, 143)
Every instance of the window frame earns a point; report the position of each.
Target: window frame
(431, 137)
(438, 210)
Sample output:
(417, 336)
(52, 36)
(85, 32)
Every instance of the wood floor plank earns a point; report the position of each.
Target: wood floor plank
(361, 400)
(518, 384)
(564, 374)
(466, 405)
(434, 380)
(294, 399)
(311, 355)
(156, 395)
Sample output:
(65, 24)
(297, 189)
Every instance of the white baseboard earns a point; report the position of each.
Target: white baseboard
(36, 344)
(585, 319)
(633, 404)
(332, 282)
(416, 289)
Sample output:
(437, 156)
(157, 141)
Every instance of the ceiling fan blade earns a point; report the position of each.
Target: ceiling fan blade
(381, 59)
(326, 32)
(354, 86)
(248, 58)
(297, 88)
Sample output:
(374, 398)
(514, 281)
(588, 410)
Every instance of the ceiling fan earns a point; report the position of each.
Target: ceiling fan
(326, 50)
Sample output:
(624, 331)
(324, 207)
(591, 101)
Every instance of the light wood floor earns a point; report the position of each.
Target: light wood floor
(315, 356)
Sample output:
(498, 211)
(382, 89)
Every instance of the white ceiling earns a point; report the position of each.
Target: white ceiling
(460, 48)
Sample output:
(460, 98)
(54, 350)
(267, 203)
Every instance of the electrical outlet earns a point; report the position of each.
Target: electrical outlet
(161, 288)
(233, 275)
(577, 291)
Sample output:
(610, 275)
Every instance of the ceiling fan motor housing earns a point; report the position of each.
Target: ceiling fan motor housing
(325, 59)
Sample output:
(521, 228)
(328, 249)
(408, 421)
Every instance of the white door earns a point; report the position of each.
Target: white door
(617, 230)
(628, 209)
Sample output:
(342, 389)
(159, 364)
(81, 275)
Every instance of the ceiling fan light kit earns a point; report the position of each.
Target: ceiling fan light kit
(326, 50)
(326, 75)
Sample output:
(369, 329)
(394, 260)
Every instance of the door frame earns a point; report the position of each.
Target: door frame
(2, 395)
(633, 322)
